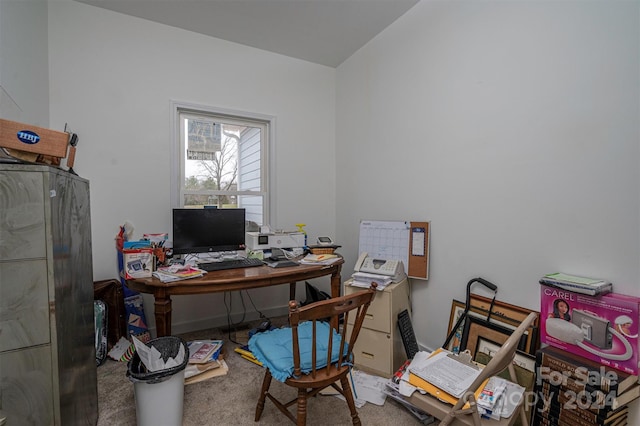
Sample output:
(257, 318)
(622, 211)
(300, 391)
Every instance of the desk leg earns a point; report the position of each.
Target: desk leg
(335, 291)
(336, 282)
(292, 291)
(162, 307)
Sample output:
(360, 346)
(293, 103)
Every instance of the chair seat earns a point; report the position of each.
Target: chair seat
(312, 353)
(322, 377)
(274, 349)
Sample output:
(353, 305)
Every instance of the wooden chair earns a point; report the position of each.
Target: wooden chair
(310, 371)
(457, 414)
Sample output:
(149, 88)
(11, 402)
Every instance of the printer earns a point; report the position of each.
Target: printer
(265, 241)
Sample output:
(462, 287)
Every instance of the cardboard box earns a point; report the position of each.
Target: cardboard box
(137, 263)
(600, 328)
(28, 138)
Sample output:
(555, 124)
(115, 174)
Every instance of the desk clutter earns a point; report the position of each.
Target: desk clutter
(448, 376)
(555, 385)
(453, 383)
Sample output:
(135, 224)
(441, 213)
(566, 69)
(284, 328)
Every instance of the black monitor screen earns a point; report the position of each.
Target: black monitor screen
(208, 230)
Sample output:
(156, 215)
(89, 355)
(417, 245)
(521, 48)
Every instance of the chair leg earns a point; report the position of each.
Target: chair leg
(263, 393)
(344, 382)
(302, 407)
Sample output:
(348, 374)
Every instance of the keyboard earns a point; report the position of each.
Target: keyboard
(246, 262)
(407, 334)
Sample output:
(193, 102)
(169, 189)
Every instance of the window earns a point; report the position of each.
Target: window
(221, 161)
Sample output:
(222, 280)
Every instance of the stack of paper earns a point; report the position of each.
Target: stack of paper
(319, 259)
(491, 397)
(364, 279)
(446, 372)
(512, 397)
(172, 273)
(509, 396)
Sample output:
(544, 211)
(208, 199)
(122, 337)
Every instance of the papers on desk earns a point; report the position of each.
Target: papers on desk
(177, 272)
(319, 259)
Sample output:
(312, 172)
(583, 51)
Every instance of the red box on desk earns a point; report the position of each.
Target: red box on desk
(600, 328)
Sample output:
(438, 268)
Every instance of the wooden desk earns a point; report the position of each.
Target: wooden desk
(230, 280)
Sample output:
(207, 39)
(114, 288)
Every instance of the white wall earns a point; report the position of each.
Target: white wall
(513, 128)
(24, 73)
(112, 79)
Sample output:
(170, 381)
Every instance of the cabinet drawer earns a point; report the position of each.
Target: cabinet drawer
(24, 303)
(23, 230)
(373, 351)
(378, 315)
(26, 387)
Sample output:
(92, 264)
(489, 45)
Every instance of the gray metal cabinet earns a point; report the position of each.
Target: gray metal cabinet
(47, 350)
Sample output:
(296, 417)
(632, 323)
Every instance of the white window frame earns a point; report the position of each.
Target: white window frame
(267, 158)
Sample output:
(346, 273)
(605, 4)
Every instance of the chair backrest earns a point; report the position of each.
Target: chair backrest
(505, 355)
(337, 311)
(501, 360)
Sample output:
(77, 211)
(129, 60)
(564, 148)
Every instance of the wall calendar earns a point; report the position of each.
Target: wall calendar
(403, 240)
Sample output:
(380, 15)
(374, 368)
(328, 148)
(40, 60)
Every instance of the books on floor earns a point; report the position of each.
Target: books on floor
(574, 390)
(202, 351)
(220, 370)
(205, 361)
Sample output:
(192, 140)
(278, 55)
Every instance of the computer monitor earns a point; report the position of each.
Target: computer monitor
(208, 230)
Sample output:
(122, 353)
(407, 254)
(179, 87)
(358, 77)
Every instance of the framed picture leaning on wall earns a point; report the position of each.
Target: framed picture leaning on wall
(502, 314)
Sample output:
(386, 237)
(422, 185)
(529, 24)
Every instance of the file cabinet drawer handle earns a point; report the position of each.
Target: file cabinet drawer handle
(367, 355)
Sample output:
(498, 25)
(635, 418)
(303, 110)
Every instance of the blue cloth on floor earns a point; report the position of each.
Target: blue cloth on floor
(274, 348)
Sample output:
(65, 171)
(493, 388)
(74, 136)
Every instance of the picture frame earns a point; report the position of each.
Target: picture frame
(502, 310)
(475, 328)
(503, 314)
(489, 347)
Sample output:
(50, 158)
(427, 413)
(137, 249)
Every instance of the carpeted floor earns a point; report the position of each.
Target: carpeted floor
(231, 399)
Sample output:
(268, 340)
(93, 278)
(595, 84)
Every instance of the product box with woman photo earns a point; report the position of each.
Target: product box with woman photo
(601, 328)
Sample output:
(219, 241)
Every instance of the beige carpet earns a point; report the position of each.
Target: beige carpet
(231, 399)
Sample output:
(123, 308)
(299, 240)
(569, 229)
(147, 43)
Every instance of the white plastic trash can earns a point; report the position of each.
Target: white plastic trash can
(160, 394)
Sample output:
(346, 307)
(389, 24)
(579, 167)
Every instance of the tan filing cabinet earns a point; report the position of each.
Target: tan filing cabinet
(379, 349)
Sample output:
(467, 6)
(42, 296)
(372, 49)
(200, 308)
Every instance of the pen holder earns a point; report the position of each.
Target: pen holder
(160, 255)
